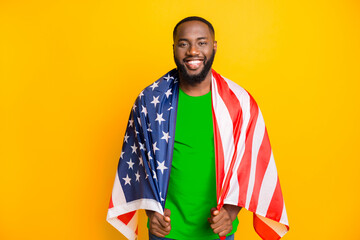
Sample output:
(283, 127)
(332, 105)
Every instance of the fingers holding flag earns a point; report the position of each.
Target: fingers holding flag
(221, 220)
(159, 225)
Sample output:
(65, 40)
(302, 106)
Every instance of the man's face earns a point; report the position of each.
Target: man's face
(194, 51)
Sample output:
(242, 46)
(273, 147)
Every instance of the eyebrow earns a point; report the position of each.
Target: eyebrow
(185, 39)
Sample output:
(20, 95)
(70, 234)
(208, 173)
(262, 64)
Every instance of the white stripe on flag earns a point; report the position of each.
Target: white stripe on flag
(133, 224)
(244, 99)
(225, 124)
(284, 218)
(149, 204)
(267, 188)
(257, 140)
(127, 231)
(118, 196)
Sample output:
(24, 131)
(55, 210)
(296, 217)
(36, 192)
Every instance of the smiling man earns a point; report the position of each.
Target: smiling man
(194, 52)
(195, 152)
(190, 206)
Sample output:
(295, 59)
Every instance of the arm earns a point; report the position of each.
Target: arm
(221, 221)
(159, 225)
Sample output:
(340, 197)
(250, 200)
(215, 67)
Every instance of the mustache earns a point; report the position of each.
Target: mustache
(198, 78)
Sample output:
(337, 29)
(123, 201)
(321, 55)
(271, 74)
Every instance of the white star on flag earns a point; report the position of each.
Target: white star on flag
(131, 122)
(141, 161)
(149, 129)
(154, 85)
(149, 155)
(155, 100)
(126, 137)
(139, 121)
(170, 108)
(154, 174)
(133, 148)
(159, 118)
(131, 163)
(161, 198)
(143, 110)
(161, 166)
(168, 93)
(165, 136)
(137, 176)
(141, 94)
(141, 146)
(168, 77)
(154, 147)
(134, 107)
(122, 155)
(127, 180)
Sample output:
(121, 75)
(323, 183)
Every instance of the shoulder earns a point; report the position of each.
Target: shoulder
(160, 86)
(158, 95)
(246, 100)
(237, 89)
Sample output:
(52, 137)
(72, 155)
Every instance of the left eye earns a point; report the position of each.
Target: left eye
(202, 43)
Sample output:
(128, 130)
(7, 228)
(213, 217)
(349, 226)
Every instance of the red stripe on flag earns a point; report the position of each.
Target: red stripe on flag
(233, 106)
(219, 156)
(243, 172)
(261, 166)
(276, 205)
(126, 218)
(111, 205)
(264, 231)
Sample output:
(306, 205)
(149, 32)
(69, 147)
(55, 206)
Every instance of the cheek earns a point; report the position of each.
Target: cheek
(209, 51)
(179, 54)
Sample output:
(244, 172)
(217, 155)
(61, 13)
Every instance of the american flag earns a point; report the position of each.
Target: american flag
(246, 174)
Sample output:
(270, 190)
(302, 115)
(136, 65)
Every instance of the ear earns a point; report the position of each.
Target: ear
(215, 46)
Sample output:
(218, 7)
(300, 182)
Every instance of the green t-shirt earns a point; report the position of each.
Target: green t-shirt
(192, 185)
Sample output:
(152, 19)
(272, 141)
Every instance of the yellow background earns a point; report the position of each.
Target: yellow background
(70, 71)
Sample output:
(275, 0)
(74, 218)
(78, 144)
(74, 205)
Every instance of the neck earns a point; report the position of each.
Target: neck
(198, 89)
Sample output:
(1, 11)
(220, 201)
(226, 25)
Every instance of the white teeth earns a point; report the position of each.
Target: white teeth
(194, 62)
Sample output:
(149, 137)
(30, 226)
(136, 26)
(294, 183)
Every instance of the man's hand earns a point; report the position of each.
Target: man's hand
(159, 225)
(221, 221)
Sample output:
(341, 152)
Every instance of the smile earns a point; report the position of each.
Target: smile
(193, 64)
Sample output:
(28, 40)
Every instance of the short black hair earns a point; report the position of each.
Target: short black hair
(194, 18)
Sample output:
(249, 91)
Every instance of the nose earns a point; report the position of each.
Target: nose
(193, 51)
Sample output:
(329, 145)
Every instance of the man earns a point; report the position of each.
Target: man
(194, 50)
(218, 152)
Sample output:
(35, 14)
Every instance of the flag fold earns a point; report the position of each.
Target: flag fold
(246, 174)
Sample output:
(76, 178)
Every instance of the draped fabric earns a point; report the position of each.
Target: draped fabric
(246, 174)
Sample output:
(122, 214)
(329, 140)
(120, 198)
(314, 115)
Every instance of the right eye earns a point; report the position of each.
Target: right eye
(182, 44)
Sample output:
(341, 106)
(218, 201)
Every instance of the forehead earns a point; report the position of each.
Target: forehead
(193, 30)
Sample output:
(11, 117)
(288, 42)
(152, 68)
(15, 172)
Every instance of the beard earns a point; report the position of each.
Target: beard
(197, 78)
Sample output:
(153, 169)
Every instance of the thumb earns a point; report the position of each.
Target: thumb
(214, 211)
(167, 214)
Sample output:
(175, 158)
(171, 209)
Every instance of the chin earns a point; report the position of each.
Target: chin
(194, 73)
